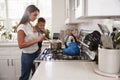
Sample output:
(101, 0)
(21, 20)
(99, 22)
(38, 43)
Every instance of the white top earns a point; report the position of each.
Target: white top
(30, 35)
(67, 70)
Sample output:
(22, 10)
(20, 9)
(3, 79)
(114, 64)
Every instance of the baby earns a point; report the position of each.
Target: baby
(40, 28)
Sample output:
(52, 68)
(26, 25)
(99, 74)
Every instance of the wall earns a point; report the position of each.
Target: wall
(58, 15)
(91, 25)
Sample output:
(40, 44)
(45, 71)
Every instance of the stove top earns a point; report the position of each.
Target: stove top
(48, 54)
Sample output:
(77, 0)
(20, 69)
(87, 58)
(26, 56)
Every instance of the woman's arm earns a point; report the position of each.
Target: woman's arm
(21, 40)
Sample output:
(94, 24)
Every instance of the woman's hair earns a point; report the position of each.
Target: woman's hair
(30, 9)
(41, 19)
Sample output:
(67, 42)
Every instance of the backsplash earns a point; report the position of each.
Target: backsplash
(93, 24)
(88, 26)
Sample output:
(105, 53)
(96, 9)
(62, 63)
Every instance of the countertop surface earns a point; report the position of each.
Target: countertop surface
(68, 70)
(8, 44)
(15, 43)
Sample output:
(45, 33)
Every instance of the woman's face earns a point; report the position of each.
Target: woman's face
(33, 15)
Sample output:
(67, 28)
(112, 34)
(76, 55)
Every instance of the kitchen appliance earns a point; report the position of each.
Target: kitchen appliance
(49, 54)
(55, 45)
(56, 35)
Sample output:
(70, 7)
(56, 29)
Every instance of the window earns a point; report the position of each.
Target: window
(2, 9)
(45, 11)
(11, 11)
(16, 8)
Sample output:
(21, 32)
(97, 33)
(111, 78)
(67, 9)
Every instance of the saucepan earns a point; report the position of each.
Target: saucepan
(55, 45)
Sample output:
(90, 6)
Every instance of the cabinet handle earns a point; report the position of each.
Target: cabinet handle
(8, 62)
(12, 62)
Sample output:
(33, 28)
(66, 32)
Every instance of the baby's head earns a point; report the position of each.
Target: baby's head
(41, 23)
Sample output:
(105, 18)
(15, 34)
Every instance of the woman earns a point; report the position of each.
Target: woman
(27, 41)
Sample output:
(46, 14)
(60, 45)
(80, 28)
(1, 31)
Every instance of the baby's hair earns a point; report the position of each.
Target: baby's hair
(41, 20)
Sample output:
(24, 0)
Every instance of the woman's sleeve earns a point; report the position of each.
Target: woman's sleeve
(21, 27)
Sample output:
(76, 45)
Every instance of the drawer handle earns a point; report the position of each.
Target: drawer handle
(12, 62)
(8, 62)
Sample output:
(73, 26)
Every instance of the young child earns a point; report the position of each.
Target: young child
(40, 28)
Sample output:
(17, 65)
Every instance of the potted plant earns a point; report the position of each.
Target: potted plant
(48, 34)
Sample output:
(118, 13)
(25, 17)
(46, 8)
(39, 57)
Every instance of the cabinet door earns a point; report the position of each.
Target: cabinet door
(16, 61)
(5, 51)
(70, 12)
(103, 7)
(17, 67)
(6, 70)
(67, 8)
(15, 51)
(10, 58)
(79, 8)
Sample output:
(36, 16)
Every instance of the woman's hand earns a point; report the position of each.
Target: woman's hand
(43, 30)
(41, 37)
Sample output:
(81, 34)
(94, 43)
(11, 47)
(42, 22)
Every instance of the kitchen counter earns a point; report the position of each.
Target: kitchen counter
(15, 44)
(67, 70)
(8, 44)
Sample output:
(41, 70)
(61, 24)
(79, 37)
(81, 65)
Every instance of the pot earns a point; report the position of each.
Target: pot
(55, 45)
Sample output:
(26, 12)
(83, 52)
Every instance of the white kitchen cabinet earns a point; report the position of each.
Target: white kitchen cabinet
(75, 9)
(6, 70)
(10, 62)
(67, 8)
(70, 12)
(97, 8)
(17, 68)
(102, 8)
(79, 8)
